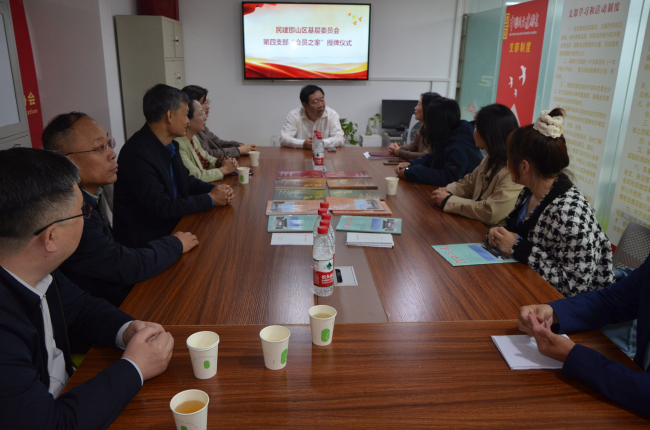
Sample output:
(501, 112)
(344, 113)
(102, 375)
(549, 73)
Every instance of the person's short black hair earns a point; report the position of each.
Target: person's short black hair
(194, 92)
(37, 188)
(308, 90)
(441, 118)
(161, 98)
(59, 134)
(494, 123)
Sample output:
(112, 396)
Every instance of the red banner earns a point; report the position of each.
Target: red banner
(27, 72)
(521, 54)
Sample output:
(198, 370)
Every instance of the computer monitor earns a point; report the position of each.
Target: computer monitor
(397, 113)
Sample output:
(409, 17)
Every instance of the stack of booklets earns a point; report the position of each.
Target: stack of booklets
(297, 174)
(344, 175)
(300, 183)
(368, 224)
(292, 207)
(373, 240)
(345, 206)
(292, 223)
(357, 194)
(351, 184)
(302, 194)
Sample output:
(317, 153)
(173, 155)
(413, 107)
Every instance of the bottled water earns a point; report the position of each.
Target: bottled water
(328, 218)
(323, 264)
(321, 212)
(319, 149)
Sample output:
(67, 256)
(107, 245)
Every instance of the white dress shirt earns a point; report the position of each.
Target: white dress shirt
(55, 359)
(297, 127)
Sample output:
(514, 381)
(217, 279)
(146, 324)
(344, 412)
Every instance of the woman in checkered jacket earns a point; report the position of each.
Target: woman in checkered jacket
(553, 228)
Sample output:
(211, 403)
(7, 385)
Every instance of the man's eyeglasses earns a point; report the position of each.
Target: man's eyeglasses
(86, 210)
(100, 149)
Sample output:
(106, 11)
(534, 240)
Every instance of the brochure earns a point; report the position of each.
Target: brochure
(352, 184)
(384, 211)
(292, 207)
(471, 254)
(357, 194)
(338, 175)
(303, 194)
(341, 203)
(370, 225)
(293, 184)
(316, 174)
(292, 223)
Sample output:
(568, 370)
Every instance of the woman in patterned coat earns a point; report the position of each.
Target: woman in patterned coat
(553, 228)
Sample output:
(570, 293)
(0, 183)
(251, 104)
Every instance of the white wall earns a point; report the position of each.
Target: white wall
(413, 49)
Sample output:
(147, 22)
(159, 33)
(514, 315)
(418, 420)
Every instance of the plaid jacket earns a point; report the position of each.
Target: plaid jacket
(562, 240)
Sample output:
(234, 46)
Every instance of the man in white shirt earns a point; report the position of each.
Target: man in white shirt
(41, 210)
(298, 129)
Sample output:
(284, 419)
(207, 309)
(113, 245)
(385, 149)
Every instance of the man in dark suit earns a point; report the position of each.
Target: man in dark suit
(154, 189)
(624, 301)
(41, 212)
(100, 265)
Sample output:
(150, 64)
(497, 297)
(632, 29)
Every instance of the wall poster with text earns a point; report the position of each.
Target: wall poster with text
(521, 54)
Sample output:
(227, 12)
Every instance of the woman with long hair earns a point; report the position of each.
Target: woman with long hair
(419, 146)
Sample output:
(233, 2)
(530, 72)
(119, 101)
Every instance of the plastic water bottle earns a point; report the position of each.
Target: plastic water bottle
(319, 149)
(323, 268)
(330, 232)
(321, 212)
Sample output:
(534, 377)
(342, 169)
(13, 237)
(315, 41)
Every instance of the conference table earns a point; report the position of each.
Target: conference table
(411, 345)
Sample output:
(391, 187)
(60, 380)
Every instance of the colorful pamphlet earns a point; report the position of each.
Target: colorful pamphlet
(352, 184)
(471, 254)
(367, 224)
(315, 174)
(292, 223)
(357, 194)
(296, 184)
(292, 207)
(343, 204)
(339, 175)
(303, 194)
(383, 211)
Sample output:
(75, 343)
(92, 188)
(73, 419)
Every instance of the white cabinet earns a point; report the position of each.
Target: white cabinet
(14, 127)
(150, 51)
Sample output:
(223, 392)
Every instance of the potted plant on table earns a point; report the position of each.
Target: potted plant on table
(349, 130)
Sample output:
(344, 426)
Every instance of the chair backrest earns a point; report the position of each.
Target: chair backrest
(633, 248)
(409, 136)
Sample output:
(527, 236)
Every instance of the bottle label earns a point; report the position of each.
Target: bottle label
(319, 158)
(323, 273)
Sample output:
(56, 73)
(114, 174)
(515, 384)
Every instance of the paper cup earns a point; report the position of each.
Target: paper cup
(275, 345)
(391, 186)
(195, 421)
(322, 329)
(204, 350)
(242, 172)
(255, 158)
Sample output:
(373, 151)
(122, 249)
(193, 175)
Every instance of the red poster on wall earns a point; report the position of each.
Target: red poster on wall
(521, 54)
(27, 72)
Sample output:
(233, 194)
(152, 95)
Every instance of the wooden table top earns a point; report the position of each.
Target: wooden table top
(235, 276)
(401, 375)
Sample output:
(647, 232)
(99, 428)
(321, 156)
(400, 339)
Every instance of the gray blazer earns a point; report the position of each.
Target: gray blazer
(218, 147)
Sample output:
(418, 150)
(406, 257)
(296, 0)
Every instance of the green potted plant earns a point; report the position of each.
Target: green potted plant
(373, 124)
(350, 130)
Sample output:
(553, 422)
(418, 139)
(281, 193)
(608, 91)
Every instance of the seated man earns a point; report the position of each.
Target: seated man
(210, 142)
(100, 265)
(298, 129)
(40, 309)
(154, 189)
(620, 302)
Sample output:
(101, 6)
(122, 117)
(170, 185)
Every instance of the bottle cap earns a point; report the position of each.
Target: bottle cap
(324, 205)
(325, 223)
(322, 230)
(322, 211)
(326, 216)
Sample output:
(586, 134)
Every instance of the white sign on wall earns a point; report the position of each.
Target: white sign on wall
(586, 67)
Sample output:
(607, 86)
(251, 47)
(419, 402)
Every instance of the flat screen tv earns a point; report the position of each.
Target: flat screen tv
(306, 41)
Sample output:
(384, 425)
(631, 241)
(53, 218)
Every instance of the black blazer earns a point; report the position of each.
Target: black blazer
(26, 402)
(106, 269)
(144, 205)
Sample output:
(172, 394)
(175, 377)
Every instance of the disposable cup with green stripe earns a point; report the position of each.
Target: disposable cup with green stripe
(321, 319)
(204, 350)
(275, 346)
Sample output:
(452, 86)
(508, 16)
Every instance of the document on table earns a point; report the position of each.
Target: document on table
(521, 353)
(292, 239)
(470, 254)
(370, 239)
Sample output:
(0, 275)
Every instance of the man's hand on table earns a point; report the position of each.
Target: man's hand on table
(222, 195)
(188, 240)
(149, 346)
(307, 143)
(439, 195)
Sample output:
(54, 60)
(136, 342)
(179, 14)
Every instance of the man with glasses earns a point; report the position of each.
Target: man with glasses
(41, 311)
(100, 265)
(298, 129)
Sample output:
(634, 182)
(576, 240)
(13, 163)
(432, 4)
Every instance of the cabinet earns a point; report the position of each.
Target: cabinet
(150, 52)
(14, 126)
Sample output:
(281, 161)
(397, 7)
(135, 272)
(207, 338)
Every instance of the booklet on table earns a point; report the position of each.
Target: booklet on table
(471, 254)
(368, 224)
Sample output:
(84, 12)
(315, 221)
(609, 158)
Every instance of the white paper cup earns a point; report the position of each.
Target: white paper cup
(391, 186)
(255, 158)
(242, 172)
(204, 350)
(275, 346)
(322, 329)
(194, 421)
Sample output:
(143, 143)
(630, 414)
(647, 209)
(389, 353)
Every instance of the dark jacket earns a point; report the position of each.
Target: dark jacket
(620, 302)
(144, 207)
(25, 402)
(106, 269)
(451, 160)
(218, 147)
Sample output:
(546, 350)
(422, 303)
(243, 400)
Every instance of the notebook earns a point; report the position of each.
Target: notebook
(521, 353)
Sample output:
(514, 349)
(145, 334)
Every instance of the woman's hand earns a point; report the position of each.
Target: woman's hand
(229, 166)
(439, 195)
(502, 239)
(393, 147)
